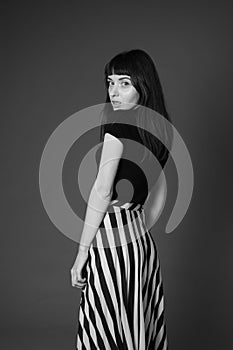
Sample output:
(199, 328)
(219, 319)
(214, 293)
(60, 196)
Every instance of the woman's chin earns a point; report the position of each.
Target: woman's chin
(123, 107)
(116, 108)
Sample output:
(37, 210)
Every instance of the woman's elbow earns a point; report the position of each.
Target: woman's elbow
(102, 190)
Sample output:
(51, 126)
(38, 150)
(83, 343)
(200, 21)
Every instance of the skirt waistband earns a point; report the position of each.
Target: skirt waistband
(129, 206)
(122, 224)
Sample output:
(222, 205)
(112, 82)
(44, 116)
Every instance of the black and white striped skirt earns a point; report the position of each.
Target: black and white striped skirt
(122, 303)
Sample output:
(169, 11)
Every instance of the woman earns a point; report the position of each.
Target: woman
(117, 266)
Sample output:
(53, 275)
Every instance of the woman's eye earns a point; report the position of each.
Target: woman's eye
(125, 83)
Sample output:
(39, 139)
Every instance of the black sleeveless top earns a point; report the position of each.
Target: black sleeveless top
(135, 176)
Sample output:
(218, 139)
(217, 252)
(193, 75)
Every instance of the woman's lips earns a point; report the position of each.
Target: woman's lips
(115, 103)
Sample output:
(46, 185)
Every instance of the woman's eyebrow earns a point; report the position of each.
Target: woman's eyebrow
(120, 78)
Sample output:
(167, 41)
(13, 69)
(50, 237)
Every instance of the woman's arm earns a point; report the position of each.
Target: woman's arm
(98, 203)
(100, 195)
(155, 201)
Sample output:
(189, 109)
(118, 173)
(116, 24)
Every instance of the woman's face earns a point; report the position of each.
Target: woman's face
(122, 93)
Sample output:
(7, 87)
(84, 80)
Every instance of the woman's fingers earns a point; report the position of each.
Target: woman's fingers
(79, 285)
(76, 279)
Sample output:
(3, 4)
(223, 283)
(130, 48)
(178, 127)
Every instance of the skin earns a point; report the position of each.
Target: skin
(120, 89)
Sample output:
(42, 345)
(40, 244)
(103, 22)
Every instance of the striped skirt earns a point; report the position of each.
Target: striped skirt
(122, 303)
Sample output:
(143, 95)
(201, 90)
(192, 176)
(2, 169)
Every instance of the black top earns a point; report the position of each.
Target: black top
(134, 177)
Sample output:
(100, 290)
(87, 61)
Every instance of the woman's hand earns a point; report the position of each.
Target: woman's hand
(76, 271)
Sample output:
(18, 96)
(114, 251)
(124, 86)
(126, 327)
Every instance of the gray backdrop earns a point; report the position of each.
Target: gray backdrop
(54, 54)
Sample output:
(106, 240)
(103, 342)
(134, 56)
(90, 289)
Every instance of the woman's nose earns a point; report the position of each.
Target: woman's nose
(115, 91)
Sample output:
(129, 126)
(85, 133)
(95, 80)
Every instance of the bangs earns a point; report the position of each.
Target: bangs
(119, 65)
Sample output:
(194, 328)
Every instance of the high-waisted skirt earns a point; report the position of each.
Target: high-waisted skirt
(122, 303)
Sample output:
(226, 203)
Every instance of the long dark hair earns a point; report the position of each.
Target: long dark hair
(141, 68)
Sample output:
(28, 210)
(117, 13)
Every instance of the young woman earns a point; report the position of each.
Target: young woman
(117, 265)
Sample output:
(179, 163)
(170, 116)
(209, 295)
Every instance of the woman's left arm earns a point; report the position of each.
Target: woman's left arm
(97, 206)
(98, 202)
(101, 192)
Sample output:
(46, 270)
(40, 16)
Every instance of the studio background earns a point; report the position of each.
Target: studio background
(54, 55)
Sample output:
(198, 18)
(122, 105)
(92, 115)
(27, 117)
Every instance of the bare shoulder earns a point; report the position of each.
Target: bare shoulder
(109, 137)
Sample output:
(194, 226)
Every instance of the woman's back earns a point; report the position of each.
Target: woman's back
(140, 172)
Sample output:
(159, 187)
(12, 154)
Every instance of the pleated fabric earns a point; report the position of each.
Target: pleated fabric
(122, 303)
